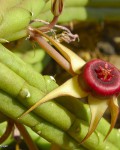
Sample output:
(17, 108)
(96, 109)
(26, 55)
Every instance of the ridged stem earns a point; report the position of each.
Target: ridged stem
(11, 108)
(50, 132)
(55, 130)
(88, 3)
(82, 111)
(28, 95)
(84, 14)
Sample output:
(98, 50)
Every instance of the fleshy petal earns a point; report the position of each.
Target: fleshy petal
(97, 107)
(70, 87)
(114, 109)
(76, 62)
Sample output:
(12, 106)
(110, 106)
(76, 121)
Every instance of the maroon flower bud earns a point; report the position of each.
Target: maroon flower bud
(101, 77)
(57, 6)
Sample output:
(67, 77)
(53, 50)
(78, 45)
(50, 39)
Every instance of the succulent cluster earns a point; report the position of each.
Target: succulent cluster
(97, 79)
(22, 89)
(15, 16)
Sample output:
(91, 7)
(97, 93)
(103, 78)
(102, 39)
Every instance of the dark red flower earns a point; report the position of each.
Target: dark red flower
(97, 79)
(101, 78)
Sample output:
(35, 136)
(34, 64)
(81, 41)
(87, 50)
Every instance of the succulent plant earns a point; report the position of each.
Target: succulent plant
(15, 17)
(98, 80)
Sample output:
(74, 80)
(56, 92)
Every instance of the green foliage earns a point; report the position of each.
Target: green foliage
(15, 17)
(64, 122)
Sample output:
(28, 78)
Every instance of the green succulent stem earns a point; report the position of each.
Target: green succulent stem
(11, 108)
(27, 10)
(64, 122)
(82, 111)
(95, 11)
(15, 17)
(19, 91)
(88, 3)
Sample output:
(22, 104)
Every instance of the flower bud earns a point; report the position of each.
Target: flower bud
(56, 7)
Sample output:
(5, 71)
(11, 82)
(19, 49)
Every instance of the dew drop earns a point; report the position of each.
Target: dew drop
(25, 93)
(52, 78)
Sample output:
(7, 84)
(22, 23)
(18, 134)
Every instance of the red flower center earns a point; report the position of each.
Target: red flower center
(101, 78)
(104, 73)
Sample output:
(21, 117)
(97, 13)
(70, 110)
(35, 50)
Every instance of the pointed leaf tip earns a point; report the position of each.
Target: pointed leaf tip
(114, 109)
(97, 107)
(69, 88)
